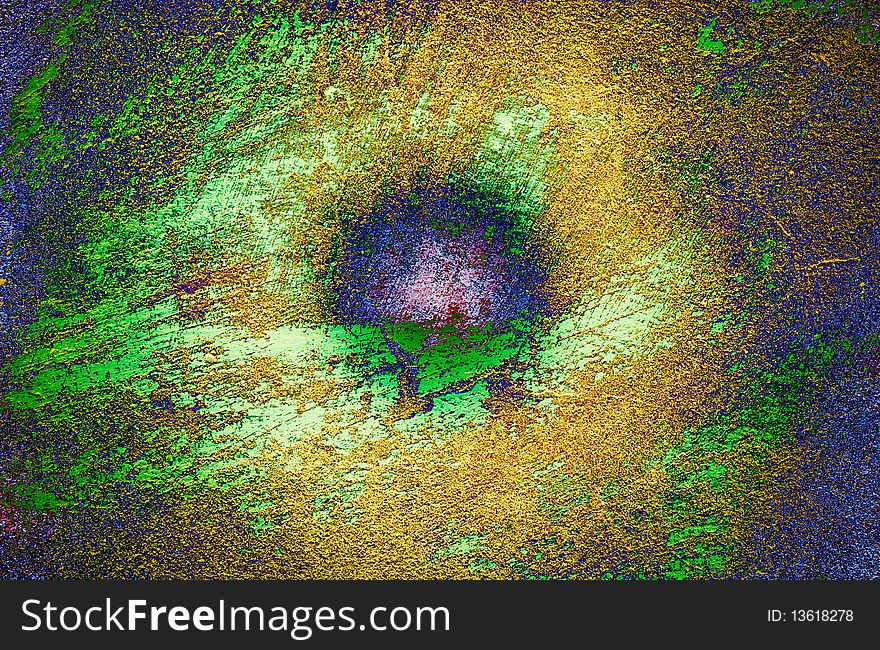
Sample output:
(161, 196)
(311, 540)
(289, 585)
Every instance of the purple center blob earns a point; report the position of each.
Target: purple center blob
(460, 280)
(439, 258)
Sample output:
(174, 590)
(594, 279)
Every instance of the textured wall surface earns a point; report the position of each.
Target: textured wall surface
(440, 289)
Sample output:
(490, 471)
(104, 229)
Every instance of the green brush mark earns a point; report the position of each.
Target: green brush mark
(854, 12)
(26, 122)
(458, 357)
(706, 43)
(708, 462)
(131, 349)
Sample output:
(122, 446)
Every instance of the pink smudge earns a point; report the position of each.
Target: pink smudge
(455, 281)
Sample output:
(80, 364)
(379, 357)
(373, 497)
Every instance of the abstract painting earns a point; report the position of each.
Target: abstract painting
(412, 289)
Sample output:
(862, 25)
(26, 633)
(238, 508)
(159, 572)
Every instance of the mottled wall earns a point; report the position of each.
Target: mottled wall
(418, 289)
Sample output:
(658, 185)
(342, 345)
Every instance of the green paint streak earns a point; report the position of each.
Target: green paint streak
(862, 13)
(74, 354)
(26, 123)
(706, 43)
(458, 357)
(774, 404)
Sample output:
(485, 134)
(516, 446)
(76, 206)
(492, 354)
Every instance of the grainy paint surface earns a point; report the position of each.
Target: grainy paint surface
(440, 289)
